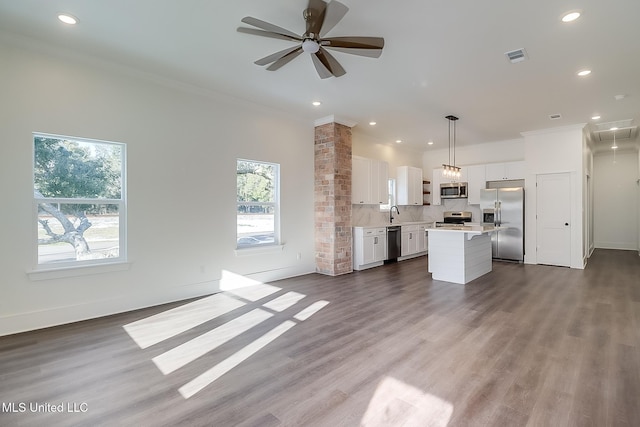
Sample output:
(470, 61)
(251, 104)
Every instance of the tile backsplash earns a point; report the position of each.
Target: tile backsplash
(370, 215)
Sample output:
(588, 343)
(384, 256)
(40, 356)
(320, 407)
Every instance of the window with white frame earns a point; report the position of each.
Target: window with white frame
(258, 203)
(391, 183)
(79, 201)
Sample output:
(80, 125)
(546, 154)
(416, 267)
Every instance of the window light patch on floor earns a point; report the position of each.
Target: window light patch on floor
(162, 326)
(244, 296)
(398, 403)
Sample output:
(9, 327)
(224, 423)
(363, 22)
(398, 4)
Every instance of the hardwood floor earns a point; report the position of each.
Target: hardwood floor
(522, 346)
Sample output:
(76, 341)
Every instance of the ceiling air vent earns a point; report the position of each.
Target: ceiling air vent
(620, 124)
(555, 116)
(517, 55)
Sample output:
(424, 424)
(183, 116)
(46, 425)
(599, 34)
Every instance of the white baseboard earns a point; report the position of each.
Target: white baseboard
(55, 316)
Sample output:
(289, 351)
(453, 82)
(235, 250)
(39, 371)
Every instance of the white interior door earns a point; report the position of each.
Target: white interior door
(553, 214)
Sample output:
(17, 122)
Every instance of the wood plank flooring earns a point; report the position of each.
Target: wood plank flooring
(522, 346)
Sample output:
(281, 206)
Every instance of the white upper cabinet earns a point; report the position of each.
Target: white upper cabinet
(504, 171)
(379, 182)
(435, 187)
(369, 181)
(476, 181)
(359, 180)
(409, 186)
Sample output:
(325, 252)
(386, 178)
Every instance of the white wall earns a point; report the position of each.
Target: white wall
(394, 154)
(182, 147)
(588, 223)
(556, 150)
(616, 200)
(490, 152)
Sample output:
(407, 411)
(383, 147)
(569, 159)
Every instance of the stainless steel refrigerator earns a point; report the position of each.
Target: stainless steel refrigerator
(504, 207)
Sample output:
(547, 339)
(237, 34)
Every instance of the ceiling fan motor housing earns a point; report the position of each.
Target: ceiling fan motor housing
(320, 17)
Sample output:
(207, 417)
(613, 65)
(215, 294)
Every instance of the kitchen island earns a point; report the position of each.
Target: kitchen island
(460, 254)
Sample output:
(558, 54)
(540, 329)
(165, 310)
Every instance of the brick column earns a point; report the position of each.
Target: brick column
(332, 201)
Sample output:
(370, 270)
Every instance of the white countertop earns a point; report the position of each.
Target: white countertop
(396, 223)
(474, 229)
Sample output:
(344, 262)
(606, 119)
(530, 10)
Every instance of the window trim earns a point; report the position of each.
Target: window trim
(77, 268)
(391, 185)
(256, 248)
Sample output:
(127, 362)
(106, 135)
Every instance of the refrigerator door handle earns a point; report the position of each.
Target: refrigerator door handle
(499, 213)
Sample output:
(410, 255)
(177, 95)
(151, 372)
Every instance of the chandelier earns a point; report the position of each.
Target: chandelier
(451, 171)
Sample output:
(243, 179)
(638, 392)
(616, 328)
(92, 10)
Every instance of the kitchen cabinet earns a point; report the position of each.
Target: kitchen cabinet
(504, 171)
(409, 186)
(369, 247)
(476, 181)
(369, 182)
(435, 187)
(414, 242)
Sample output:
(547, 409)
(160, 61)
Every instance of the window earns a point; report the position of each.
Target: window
(258, 203)
(392, 196)
(79, 201)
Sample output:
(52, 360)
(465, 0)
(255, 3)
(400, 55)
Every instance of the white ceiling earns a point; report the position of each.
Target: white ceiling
(440, 58)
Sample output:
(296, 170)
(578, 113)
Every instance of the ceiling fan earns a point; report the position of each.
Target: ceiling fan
(320, 18)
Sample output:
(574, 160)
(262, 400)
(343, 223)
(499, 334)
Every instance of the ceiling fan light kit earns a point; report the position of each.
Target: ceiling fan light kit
(320, 17)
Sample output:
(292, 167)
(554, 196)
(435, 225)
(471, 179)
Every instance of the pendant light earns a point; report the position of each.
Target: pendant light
(451, 171)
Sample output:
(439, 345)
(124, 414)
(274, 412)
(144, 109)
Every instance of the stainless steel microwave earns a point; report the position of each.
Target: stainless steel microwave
(453, 190)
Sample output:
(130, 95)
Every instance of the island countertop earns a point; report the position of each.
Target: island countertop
(472, 229)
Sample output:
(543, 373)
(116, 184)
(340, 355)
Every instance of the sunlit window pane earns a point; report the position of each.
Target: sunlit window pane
(257, 203)
(78, 189)
(99, 226)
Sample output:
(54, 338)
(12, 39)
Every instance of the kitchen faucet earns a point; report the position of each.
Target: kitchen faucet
(391, 213)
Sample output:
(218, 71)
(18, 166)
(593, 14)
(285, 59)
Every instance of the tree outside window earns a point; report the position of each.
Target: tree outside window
(79, 200)
(257, 203)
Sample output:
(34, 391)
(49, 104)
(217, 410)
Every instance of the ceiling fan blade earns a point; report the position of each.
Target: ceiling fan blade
(333, 14)
(262, 33)
(321, 68)
(314, 16)
(274, 57)
(269, 27)
(363, 46)
(331, 63)
(285, 59)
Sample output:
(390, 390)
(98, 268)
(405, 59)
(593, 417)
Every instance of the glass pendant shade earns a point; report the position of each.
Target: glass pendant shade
(451, 171)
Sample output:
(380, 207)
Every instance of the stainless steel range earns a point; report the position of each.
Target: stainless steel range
(455, 218)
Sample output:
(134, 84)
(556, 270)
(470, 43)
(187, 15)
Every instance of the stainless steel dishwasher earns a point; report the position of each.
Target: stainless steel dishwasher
(394, 242)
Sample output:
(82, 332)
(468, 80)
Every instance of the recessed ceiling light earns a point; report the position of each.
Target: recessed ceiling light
(430, 143)
(613, 128)
(571, 16)
(595, 118)
(398, 141)
(67, 19)
(619, 97)
(584, 73)
(316, 103)
(372, 123)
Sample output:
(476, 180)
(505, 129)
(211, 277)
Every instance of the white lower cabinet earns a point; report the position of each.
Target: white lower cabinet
(369, 247)
(414, 242)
